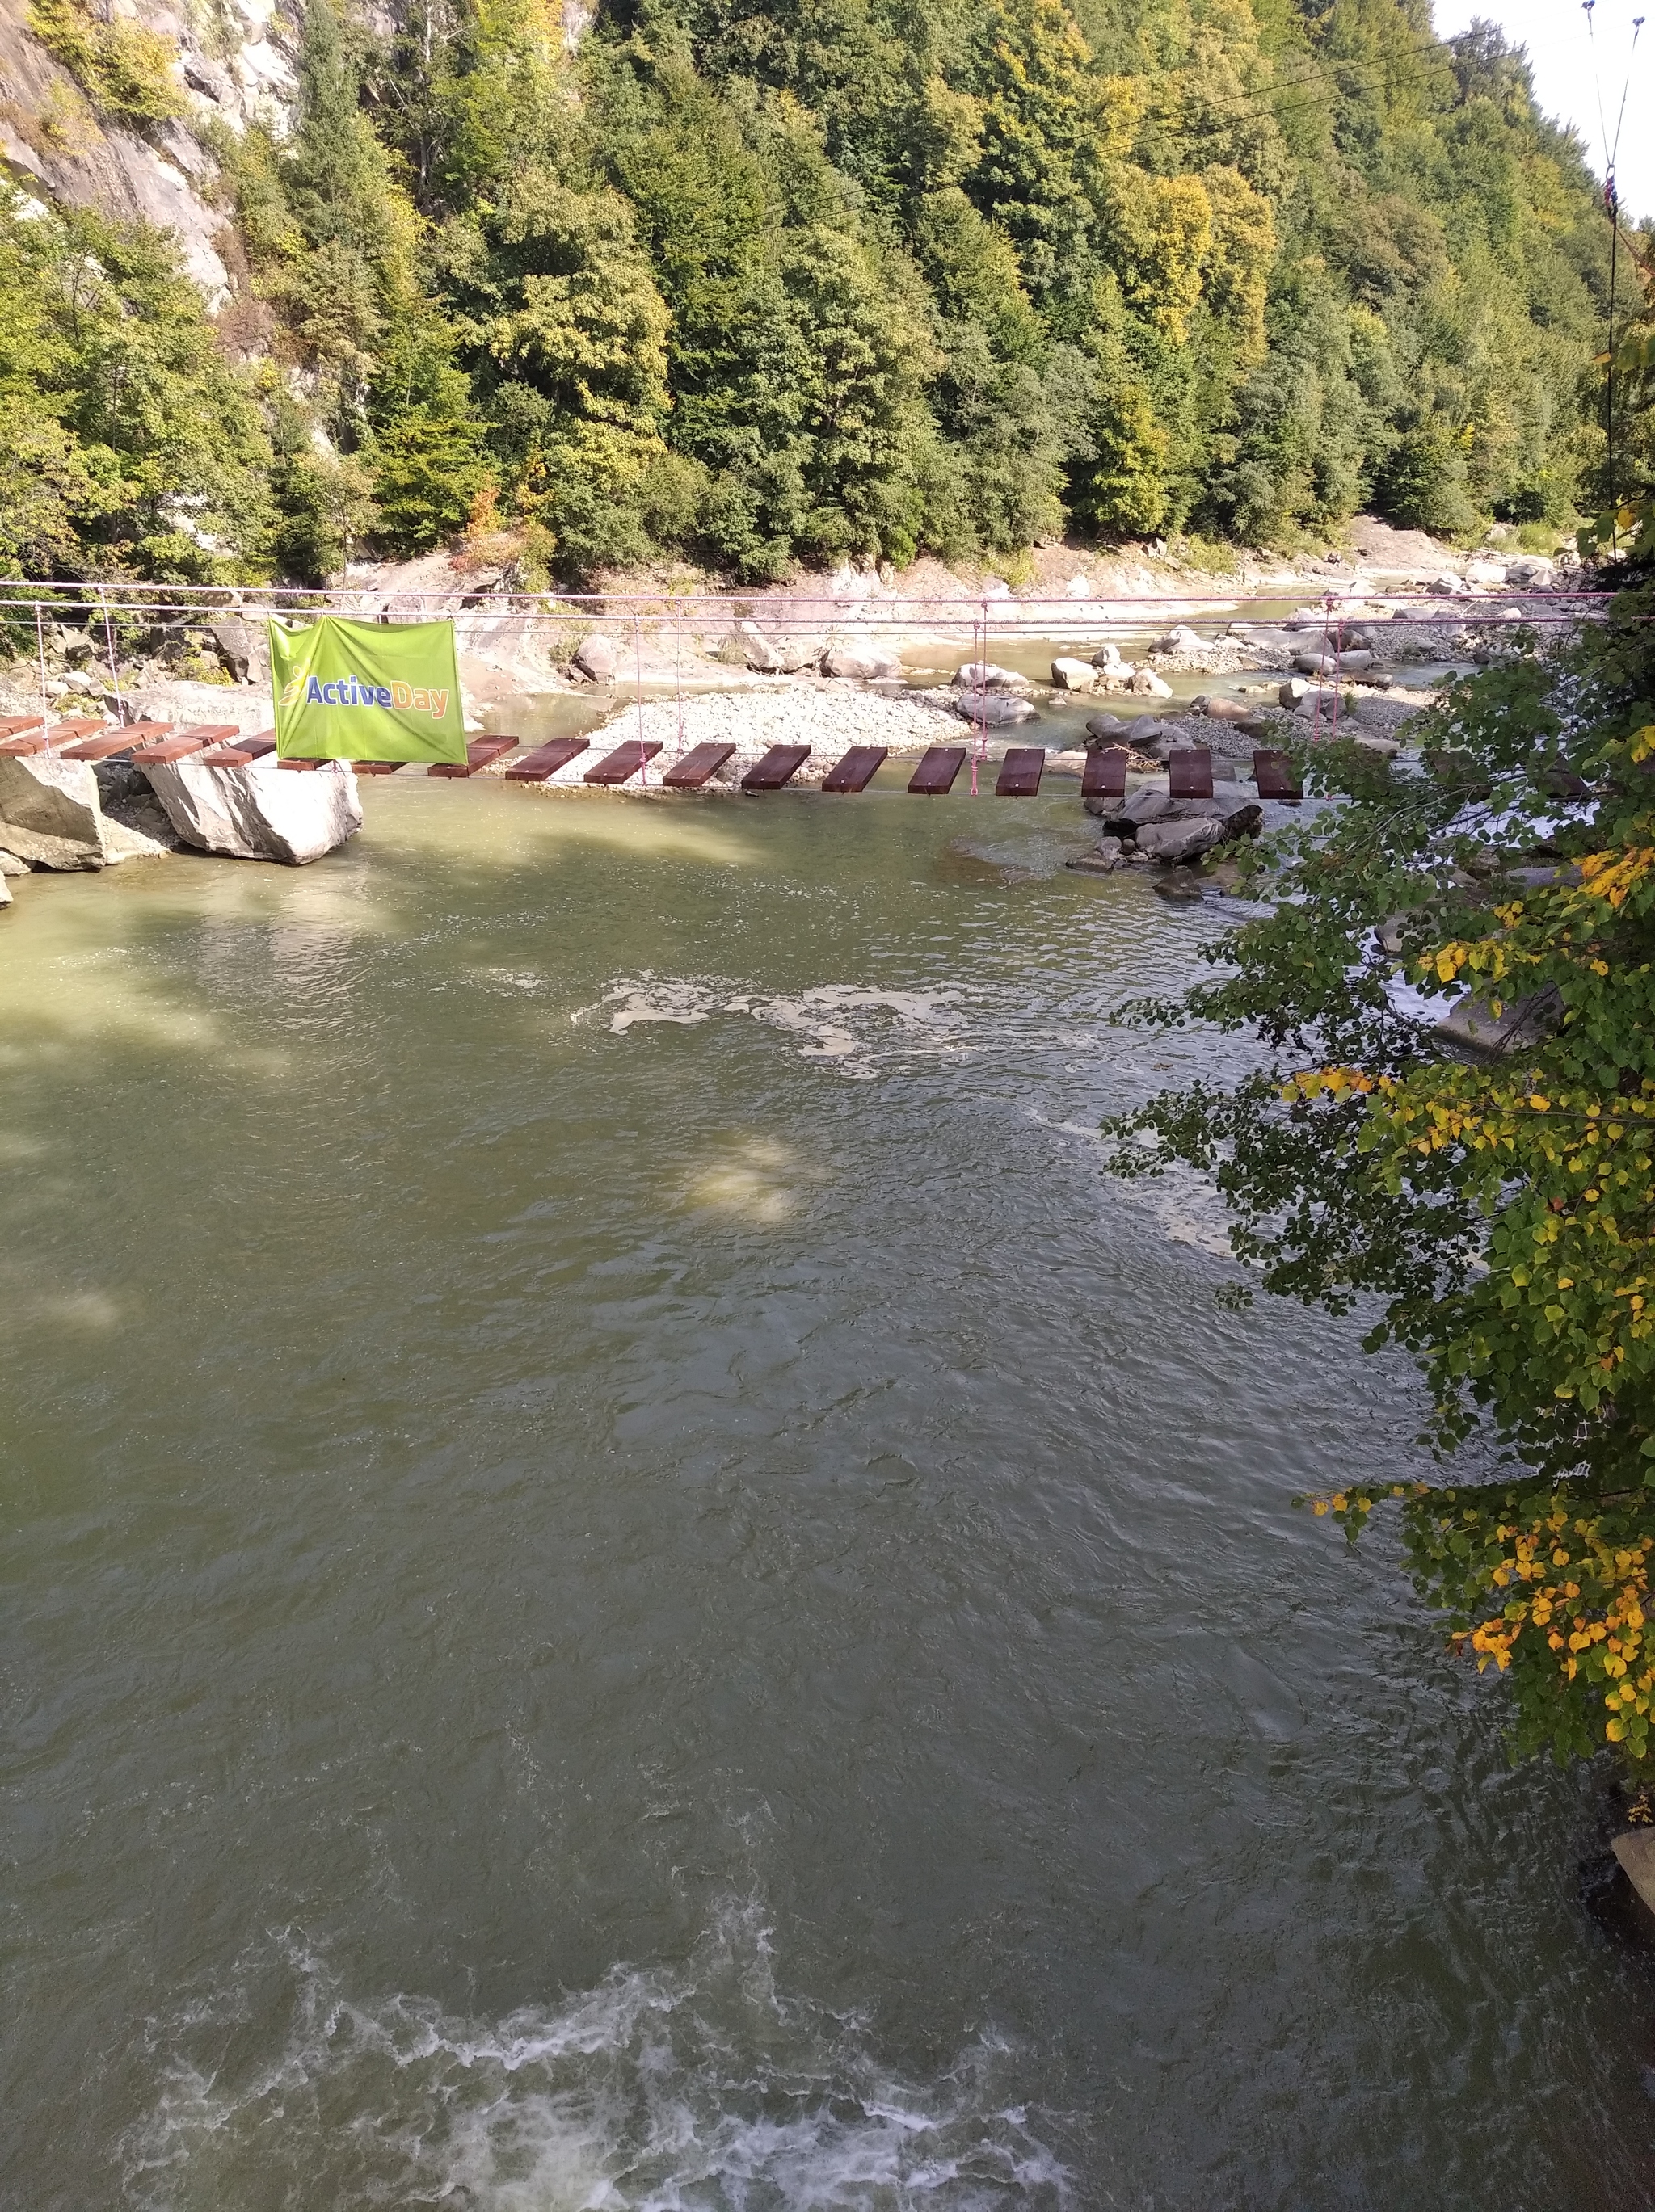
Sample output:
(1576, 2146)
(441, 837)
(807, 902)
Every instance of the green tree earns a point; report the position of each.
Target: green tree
(1499, 1210)
(133, 445)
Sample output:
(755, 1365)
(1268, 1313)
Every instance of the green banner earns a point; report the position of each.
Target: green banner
(364, 690)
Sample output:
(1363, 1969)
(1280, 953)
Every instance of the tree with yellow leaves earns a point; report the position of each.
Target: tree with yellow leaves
(1499, 1208)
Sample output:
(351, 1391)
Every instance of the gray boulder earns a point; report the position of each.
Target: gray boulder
(10, 864)
(984, 676)
(747, 646)
(241, 647)
(1109, 727)
(993, 711)
(1333, 664)
(594, 658)
(259, 812)
(1069, 674)
(1520, 1022)
(5, 893)
(1532, 572)
(1173, 841)
(52, 815)
(862, 660)
(1102, 862)
(1107, 656)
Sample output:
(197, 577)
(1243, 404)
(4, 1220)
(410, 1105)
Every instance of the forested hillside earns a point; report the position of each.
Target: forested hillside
(841, 277)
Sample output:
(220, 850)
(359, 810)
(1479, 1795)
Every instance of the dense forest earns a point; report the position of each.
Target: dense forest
(838, 278)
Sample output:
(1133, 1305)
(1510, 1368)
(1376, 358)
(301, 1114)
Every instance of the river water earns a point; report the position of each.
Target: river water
(629, 1582)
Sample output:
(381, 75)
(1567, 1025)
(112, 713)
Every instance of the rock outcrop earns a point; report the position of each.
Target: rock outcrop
(260, 813)
(52, 815)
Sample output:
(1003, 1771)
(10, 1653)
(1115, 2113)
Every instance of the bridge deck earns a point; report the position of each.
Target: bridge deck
(625, 762)
(698, 767)
(934, 776)
(857, 770)
(545, 760)
(478, 754)
(779, 767)
(1020, 772)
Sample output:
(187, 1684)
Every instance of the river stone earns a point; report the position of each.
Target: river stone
(1146, 684)
(50, 814)
(1107, 728)
(1520, 1022)
(992, 712)
(594, 656)
(5, 892)
(1636, 1852)
(11, 864)
(1069, 674)
(1226, 710)
(259, 812)
(1107, 656)
(1103, 862)
(984, 676)
(1177, 841)
(862, 660)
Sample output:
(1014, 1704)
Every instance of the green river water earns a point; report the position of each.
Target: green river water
(629, 1583)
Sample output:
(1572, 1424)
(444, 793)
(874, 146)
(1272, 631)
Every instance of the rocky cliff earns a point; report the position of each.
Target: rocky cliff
(234, 62)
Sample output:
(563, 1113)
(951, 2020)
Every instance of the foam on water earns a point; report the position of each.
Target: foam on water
(830, 1021)
(691, 2089)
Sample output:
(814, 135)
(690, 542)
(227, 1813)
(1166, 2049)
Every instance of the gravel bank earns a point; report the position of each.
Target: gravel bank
(827, 717)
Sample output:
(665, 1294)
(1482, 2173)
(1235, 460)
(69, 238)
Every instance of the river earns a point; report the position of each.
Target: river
(631, 1582)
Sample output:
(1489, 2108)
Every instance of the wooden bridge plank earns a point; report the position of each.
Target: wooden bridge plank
(236, 752)
(545, 760)
(857, 770)
(171, 749)
(1020, 772)
(57, 739)
(626, 761)
(1104, 773)
(13, 726)
(478, 754)
(698, 767)
(1275, 776)
(779, 767)
(934, 776)
(1190, 772)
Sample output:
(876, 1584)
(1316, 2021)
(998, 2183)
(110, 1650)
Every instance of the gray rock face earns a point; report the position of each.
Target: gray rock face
(1108, 727)
(242, 649)
(594, 657)
(259, 812)
(52, 815)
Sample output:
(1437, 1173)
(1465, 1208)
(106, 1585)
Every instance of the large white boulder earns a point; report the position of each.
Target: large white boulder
(1070, 674)
(594, 658)
(862, 658)
(51, 814)
(259, 812)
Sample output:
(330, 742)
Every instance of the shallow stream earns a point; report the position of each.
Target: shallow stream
(630, 1583)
